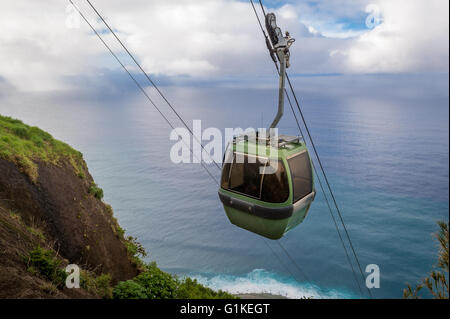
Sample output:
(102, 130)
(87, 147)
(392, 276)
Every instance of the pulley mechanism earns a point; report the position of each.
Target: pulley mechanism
(279, 45)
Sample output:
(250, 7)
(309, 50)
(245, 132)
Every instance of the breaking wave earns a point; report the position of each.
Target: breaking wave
(260, 281)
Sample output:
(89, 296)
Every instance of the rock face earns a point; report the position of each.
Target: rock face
(79, 226)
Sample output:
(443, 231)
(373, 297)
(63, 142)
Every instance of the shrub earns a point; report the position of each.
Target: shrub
(48, 265)
(437, 281)
(190, 289)
(96, 191)
(157, 283)
(37, 233)
(154, 283)
(129, 290)
(120, 231)
(134, 248)
(100, 285)
(103, 283)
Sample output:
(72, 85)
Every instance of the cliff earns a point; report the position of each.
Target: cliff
(52, 215)
(49, 201)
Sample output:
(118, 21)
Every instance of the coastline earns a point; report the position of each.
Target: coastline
(259, 296)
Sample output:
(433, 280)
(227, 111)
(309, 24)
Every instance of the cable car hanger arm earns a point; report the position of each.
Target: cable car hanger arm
(278, 45)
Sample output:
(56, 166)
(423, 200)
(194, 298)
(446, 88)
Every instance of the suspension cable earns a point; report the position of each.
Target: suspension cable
(156, 87)
(269, 46)
(286, 268)
(325, 195)
(319, 161)
(321, 187)
(151, 81)
(293, 261)
(137, 83)
(328, 185)
(170, 105)
(160, 112)
(337, 229)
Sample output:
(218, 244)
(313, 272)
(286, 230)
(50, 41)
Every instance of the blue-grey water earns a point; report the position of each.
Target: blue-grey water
(383, 139)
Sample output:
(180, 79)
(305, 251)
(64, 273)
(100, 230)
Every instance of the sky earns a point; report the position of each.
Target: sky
(46, 47)
(373, 58)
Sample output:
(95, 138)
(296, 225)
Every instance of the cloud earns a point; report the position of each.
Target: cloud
(212, 40)
(38, 49)
(335, 19)
(414, 37)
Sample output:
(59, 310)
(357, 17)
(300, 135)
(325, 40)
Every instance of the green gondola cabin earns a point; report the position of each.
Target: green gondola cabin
(266, 188)
(267, 183)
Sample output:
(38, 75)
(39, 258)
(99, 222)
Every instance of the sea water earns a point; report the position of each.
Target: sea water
(383, 140)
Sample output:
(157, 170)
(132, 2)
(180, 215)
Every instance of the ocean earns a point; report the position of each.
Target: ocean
(383, 140)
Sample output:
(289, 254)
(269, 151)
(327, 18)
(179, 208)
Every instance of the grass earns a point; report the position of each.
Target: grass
(153, 283)
(37, 233)
(97, 285)
(25, 145)
(135, 250)
(34, 230)
(15, 216)
(49, 288)
(190, 289)
(96, 191)
(45, 262)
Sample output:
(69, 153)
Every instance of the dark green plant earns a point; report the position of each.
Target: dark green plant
(190, 289)
(157, 283)
(96, 191)
(46, 263)
(21, 132)
(153, 283)
(134, 248)
(120, 231)
(97, 285)
(129, 290)
(437, 281)
(37, 232)
(103, 283)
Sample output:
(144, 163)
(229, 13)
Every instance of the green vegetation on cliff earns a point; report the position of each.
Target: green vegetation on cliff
(153, 283)
(47, 264)
(24, 145)
(52, 215)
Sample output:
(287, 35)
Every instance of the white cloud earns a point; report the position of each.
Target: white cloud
(199, 38)
(414, 36)
(36, 48)
(213, 39)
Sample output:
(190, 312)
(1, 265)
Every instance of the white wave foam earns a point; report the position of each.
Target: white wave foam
(261, 281)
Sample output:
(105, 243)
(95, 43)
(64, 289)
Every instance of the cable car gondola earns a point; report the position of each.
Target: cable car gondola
(267, 183)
